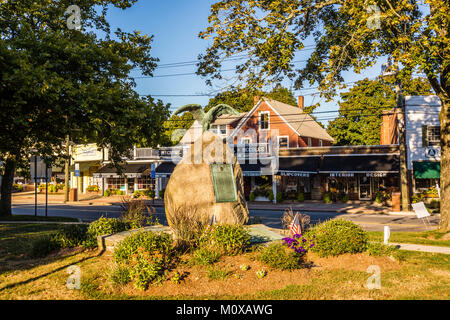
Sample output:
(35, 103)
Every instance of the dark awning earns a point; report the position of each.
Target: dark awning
(130, 170)
(427, 169)
(164, 169)
(379, 163)
(298, 166)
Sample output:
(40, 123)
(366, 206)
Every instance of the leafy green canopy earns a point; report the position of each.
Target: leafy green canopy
(360, 109)
(56, 81)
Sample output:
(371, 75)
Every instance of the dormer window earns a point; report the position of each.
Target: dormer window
(264, 118)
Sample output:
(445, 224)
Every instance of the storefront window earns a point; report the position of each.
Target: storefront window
(116, 183)
(145, 182)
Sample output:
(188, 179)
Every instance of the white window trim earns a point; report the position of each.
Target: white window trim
(320, 143)
(309, 142)
(268, 120)
(219, 131)
(287, 137)
(246, 139)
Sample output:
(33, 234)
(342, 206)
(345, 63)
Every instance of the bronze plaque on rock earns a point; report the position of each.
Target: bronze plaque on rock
(223, 182)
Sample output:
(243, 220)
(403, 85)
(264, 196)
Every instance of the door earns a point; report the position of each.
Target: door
(364, 188)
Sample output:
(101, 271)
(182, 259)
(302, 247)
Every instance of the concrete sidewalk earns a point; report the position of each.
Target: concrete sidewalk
(422, 248)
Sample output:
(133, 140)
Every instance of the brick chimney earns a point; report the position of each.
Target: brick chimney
(300, 102)
(256, 99)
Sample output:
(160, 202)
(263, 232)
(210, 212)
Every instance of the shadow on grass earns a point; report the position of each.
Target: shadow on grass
(13, 285)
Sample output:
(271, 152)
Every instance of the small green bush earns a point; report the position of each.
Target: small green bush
(300, 197)
(42, 246)
(204, 257)
(277, 256)
(345, 198)
(137, 213)
(92, 188)
(227, 239)
(102, 227)
(271, 197)
(17, 187)
(147, 268)
(217, 274)
(327, 197)
(252, 196)
(380, 249)
(121, 275)
(161, 193)
(149, 193)
(71, 235)
(107, 192)
(335, 237)
(279, 197)
(149, 241)
(379, 197)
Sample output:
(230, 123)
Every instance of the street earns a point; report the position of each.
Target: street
(271, 218)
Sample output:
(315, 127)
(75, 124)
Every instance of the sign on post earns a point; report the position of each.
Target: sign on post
(152, 171)
(38, 170)
(420, 210)
(77, 169)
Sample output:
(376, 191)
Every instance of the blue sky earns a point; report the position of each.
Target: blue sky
(175, 25)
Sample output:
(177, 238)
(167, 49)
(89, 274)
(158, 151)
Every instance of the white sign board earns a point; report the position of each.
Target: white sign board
(420, 210)
(38, 170)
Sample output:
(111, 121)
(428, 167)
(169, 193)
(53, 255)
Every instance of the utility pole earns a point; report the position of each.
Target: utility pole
(402, 144)
(389, 69)
(66, 171)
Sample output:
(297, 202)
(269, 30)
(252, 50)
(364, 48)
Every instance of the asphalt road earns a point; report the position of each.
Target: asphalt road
(271, 218)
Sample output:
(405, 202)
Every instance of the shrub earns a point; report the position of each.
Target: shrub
(138, 194)
(107, 192)
(327, 197)
(71, 235)
(147, 255)
(93, 188)
(227, 239)
(279, 197)
(252, 196)
(380, 249)
(161, 193)
(335, 237)
(42, 246)
(121, 275)
(147, 268)
(379, 197)
(118, 192)
(345, 198)
(154, 244)
(149, 193)
(300, 197)
(102, 227)
(217, 274)
(137, 213)
(270, 196)
(17, 187)
(277, 256)
(204, 257)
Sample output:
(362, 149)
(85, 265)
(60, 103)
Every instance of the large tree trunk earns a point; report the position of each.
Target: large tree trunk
(6, 188)
(445, 164)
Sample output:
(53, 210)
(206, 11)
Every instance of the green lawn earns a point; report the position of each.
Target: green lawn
(15, 239)
(414, 275)
(24, 217)
(433, 238)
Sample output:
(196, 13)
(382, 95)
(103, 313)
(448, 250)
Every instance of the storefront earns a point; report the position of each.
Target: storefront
(132, 177)
(426, 174)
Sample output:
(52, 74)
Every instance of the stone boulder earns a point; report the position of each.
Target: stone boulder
(190, 189)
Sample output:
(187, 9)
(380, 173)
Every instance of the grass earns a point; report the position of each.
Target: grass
(414, 275)
(18, 217)
(15, 239)
(433, 238)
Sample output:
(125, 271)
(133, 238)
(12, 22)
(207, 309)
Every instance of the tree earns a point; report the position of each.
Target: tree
(360, 111)
(348, 35)
(57, 79)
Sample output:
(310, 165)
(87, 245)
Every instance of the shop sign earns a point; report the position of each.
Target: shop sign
(376, 174)
(342, 174)
(293, 174)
